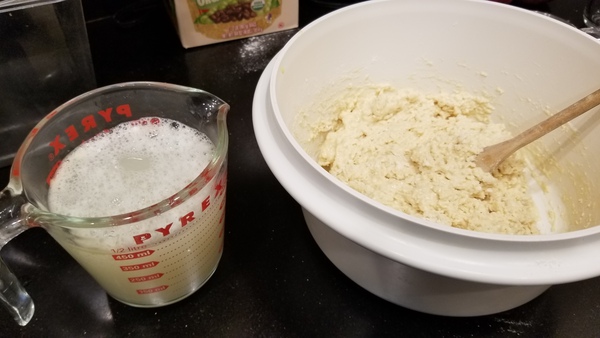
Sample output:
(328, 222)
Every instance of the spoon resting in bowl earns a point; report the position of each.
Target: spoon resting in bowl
(491, 156)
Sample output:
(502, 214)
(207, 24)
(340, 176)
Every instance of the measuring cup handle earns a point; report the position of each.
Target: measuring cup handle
(12, 295)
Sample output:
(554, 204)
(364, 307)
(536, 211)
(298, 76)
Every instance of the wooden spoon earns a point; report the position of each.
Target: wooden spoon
(493, 155)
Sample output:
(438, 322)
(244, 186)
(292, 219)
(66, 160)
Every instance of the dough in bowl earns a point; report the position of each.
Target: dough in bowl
(415, 152)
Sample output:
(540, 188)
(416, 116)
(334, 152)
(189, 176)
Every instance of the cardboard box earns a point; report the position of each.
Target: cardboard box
(204, 22)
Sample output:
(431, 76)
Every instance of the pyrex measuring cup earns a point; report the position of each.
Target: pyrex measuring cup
(145, 258)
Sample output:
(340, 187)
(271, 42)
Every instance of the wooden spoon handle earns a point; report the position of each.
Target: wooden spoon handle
(557, 120)
(493, 155)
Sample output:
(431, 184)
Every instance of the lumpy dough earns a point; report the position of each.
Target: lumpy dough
(415, 152)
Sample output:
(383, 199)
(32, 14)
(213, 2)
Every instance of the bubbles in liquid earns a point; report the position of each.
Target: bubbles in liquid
(132, 166)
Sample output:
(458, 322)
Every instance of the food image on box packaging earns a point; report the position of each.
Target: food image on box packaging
(415, 152)
(233, 12)
(224, 19)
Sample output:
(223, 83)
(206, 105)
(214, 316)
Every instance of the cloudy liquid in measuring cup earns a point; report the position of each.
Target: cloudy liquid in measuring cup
(158, 260)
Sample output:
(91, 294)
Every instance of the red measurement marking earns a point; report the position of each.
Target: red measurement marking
(16, 168)
(140, 279)
(219, 188)
(152, 290)
(132, 255)
(52, 172)
(52, 113)
(138, 266)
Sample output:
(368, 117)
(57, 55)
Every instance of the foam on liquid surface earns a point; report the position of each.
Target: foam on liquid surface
(134, 165)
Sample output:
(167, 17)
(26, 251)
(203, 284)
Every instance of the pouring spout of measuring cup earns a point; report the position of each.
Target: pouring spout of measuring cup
(13, 296)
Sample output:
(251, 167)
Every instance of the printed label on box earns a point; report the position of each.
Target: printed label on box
(202, 22)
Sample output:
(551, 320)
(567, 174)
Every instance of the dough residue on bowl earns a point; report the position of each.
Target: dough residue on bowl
(415, 152)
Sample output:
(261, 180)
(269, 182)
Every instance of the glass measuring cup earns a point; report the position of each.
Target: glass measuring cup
(146, 258)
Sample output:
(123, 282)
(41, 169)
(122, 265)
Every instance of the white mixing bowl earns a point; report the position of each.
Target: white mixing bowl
(528, 63)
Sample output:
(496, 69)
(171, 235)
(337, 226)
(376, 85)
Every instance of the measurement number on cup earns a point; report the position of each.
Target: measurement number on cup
(141, 266)
(138, 267)
(145, 278)
(133, 255)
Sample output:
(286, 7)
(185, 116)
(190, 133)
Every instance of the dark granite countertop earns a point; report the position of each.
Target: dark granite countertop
(273, 280)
